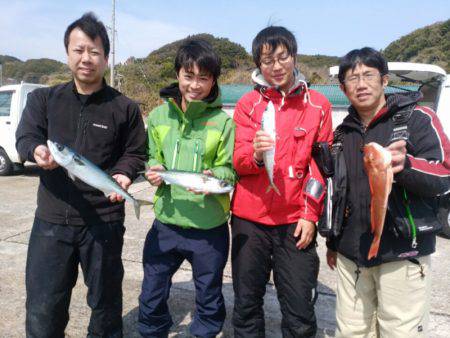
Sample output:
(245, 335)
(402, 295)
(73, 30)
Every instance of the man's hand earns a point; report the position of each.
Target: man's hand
(305, 230)
(44, 158)
(202, 192)
(153, 177)
(261, 143)
(398, 152)
(124, 182)
(331, 258)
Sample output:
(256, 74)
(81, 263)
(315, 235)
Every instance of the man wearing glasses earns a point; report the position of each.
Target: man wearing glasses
(273, 230)
(387, 295)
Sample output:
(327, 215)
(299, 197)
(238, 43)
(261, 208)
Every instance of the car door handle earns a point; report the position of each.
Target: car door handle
(8, 122)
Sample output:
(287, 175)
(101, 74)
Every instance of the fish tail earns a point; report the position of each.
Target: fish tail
(373, 251)
(137, 206)
(274, 187)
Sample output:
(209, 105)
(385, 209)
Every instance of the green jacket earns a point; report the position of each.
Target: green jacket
(199, 139)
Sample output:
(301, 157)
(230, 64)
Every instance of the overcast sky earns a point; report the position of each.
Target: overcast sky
(35, 28)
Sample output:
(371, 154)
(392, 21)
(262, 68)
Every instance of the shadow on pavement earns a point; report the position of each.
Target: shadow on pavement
(182, 306)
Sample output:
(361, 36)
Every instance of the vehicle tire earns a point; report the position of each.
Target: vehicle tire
(6, 166)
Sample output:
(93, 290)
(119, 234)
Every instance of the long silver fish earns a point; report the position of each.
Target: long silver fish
(268, 125)
(195, 181)
(78, 166)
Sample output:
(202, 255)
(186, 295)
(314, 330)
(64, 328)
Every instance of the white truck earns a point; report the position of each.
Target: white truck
(434, 83)
(12, 101)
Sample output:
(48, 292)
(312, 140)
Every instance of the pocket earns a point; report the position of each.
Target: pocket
(297, 158)
(98, 140)
(190, 155)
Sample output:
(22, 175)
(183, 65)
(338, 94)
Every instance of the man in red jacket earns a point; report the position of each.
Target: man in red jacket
(273, 230)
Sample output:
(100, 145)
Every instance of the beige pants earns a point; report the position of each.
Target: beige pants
(390, 300)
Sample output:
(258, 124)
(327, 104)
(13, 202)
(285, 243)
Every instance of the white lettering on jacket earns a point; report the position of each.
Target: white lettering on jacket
(100, 125)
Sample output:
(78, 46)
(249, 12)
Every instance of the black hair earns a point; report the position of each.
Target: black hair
(201, 53)
(366, 56)
(273, 36)
(90, 26)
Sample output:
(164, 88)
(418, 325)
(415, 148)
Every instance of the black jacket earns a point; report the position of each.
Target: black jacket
(107, 129)
(426, 175)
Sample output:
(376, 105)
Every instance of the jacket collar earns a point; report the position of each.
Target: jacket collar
(194, 108)
(99, 92)
(394, 103)
(266, 89)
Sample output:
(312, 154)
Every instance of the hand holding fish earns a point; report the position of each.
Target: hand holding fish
(398, 153)
(152, 176)
(124, 182)
(44, 158)
(200, 192)
(305, 230)
(261, 143)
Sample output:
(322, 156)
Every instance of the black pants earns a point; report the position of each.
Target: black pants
(54, 252)
(166, 247)
(256, 249)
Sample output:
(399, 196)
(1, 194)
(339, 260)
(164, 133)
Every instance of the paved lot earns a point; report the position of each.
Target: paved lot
(18, 200)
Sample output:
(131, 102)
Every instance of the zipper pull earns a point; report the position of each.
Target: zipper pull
(194, 169)
(175, 152)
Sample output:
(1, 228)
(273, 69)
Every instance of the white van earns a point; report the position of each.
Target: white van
(12, 101)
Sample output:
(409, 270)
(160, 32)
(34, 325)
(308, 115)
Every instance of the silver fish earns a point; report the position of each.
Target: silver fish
(78, 166)
(268, 125)
(195, 181)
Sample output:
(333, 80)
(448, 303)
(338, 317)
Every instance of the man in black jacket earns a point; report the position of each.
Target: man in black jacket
(75, 223)
(387, 295)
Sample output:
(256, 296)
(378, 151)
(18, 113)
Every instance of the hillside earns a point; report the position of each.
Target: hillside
(33, 70)
(430, 44)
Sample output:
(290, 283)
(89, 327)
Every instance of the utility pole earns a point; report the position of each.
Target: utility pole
(113, 34)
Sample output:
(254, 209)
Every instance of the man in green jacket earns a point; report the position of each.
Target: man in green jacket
(189, 132)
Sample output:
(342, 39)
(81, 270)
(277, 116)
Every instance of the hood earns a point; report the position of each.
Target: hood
(194, 108)
(394, 102)
(261, 83)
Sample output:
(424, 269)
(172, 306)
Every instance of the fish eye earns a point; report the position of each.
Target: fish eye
(60, 147)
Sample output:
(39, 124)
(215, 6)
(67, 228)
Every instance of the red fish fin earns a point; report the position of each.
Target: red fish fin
(373, 251)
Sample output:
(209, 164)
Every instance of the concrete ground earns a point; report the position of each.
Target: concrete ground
(18, 202)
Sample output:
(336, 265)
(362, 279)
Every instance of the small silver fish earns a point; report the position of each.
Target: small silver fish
(268, 125)
(195, 181)
(78, 166)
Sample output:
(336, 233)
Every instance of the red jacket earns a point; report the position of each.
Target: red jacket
(300, 121)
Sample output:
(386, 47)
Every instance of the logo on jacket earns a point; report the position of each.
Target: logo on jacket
(102, 126)
(408, 254)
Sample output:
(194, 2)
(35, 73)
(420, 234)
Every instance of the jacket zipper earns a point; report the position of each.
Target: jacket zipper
(78, 148)
(175, 152)
(194, 168)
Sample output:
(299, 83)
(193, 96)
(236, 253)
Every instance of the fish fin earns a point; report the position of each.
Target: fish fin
(72, 176)
(137, 206)
(274, 187)
(373, 251)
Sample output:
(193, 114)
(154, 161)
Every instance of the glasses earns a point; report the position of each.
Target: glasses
(367, 78)
(282, 60)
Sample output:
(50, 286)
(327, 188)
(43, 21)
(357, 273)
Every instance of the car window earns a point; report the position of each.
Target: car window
(5, 103)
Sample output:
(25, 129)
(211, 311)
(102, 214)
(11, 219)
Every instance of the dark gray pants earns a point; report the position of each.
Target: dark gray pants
(257, 249)
(54, 252)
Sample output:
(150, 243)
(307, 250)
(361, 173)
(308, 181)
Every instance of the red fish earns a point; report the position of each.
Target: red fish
(377, 163)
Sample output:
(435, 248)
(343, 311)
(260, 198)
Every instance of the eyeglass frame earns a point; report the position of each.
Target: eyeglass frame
(367, 78)
(281, 59)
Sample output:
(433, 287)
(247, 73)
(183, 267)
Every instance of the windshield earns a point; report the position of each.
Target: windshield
(5, 103)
